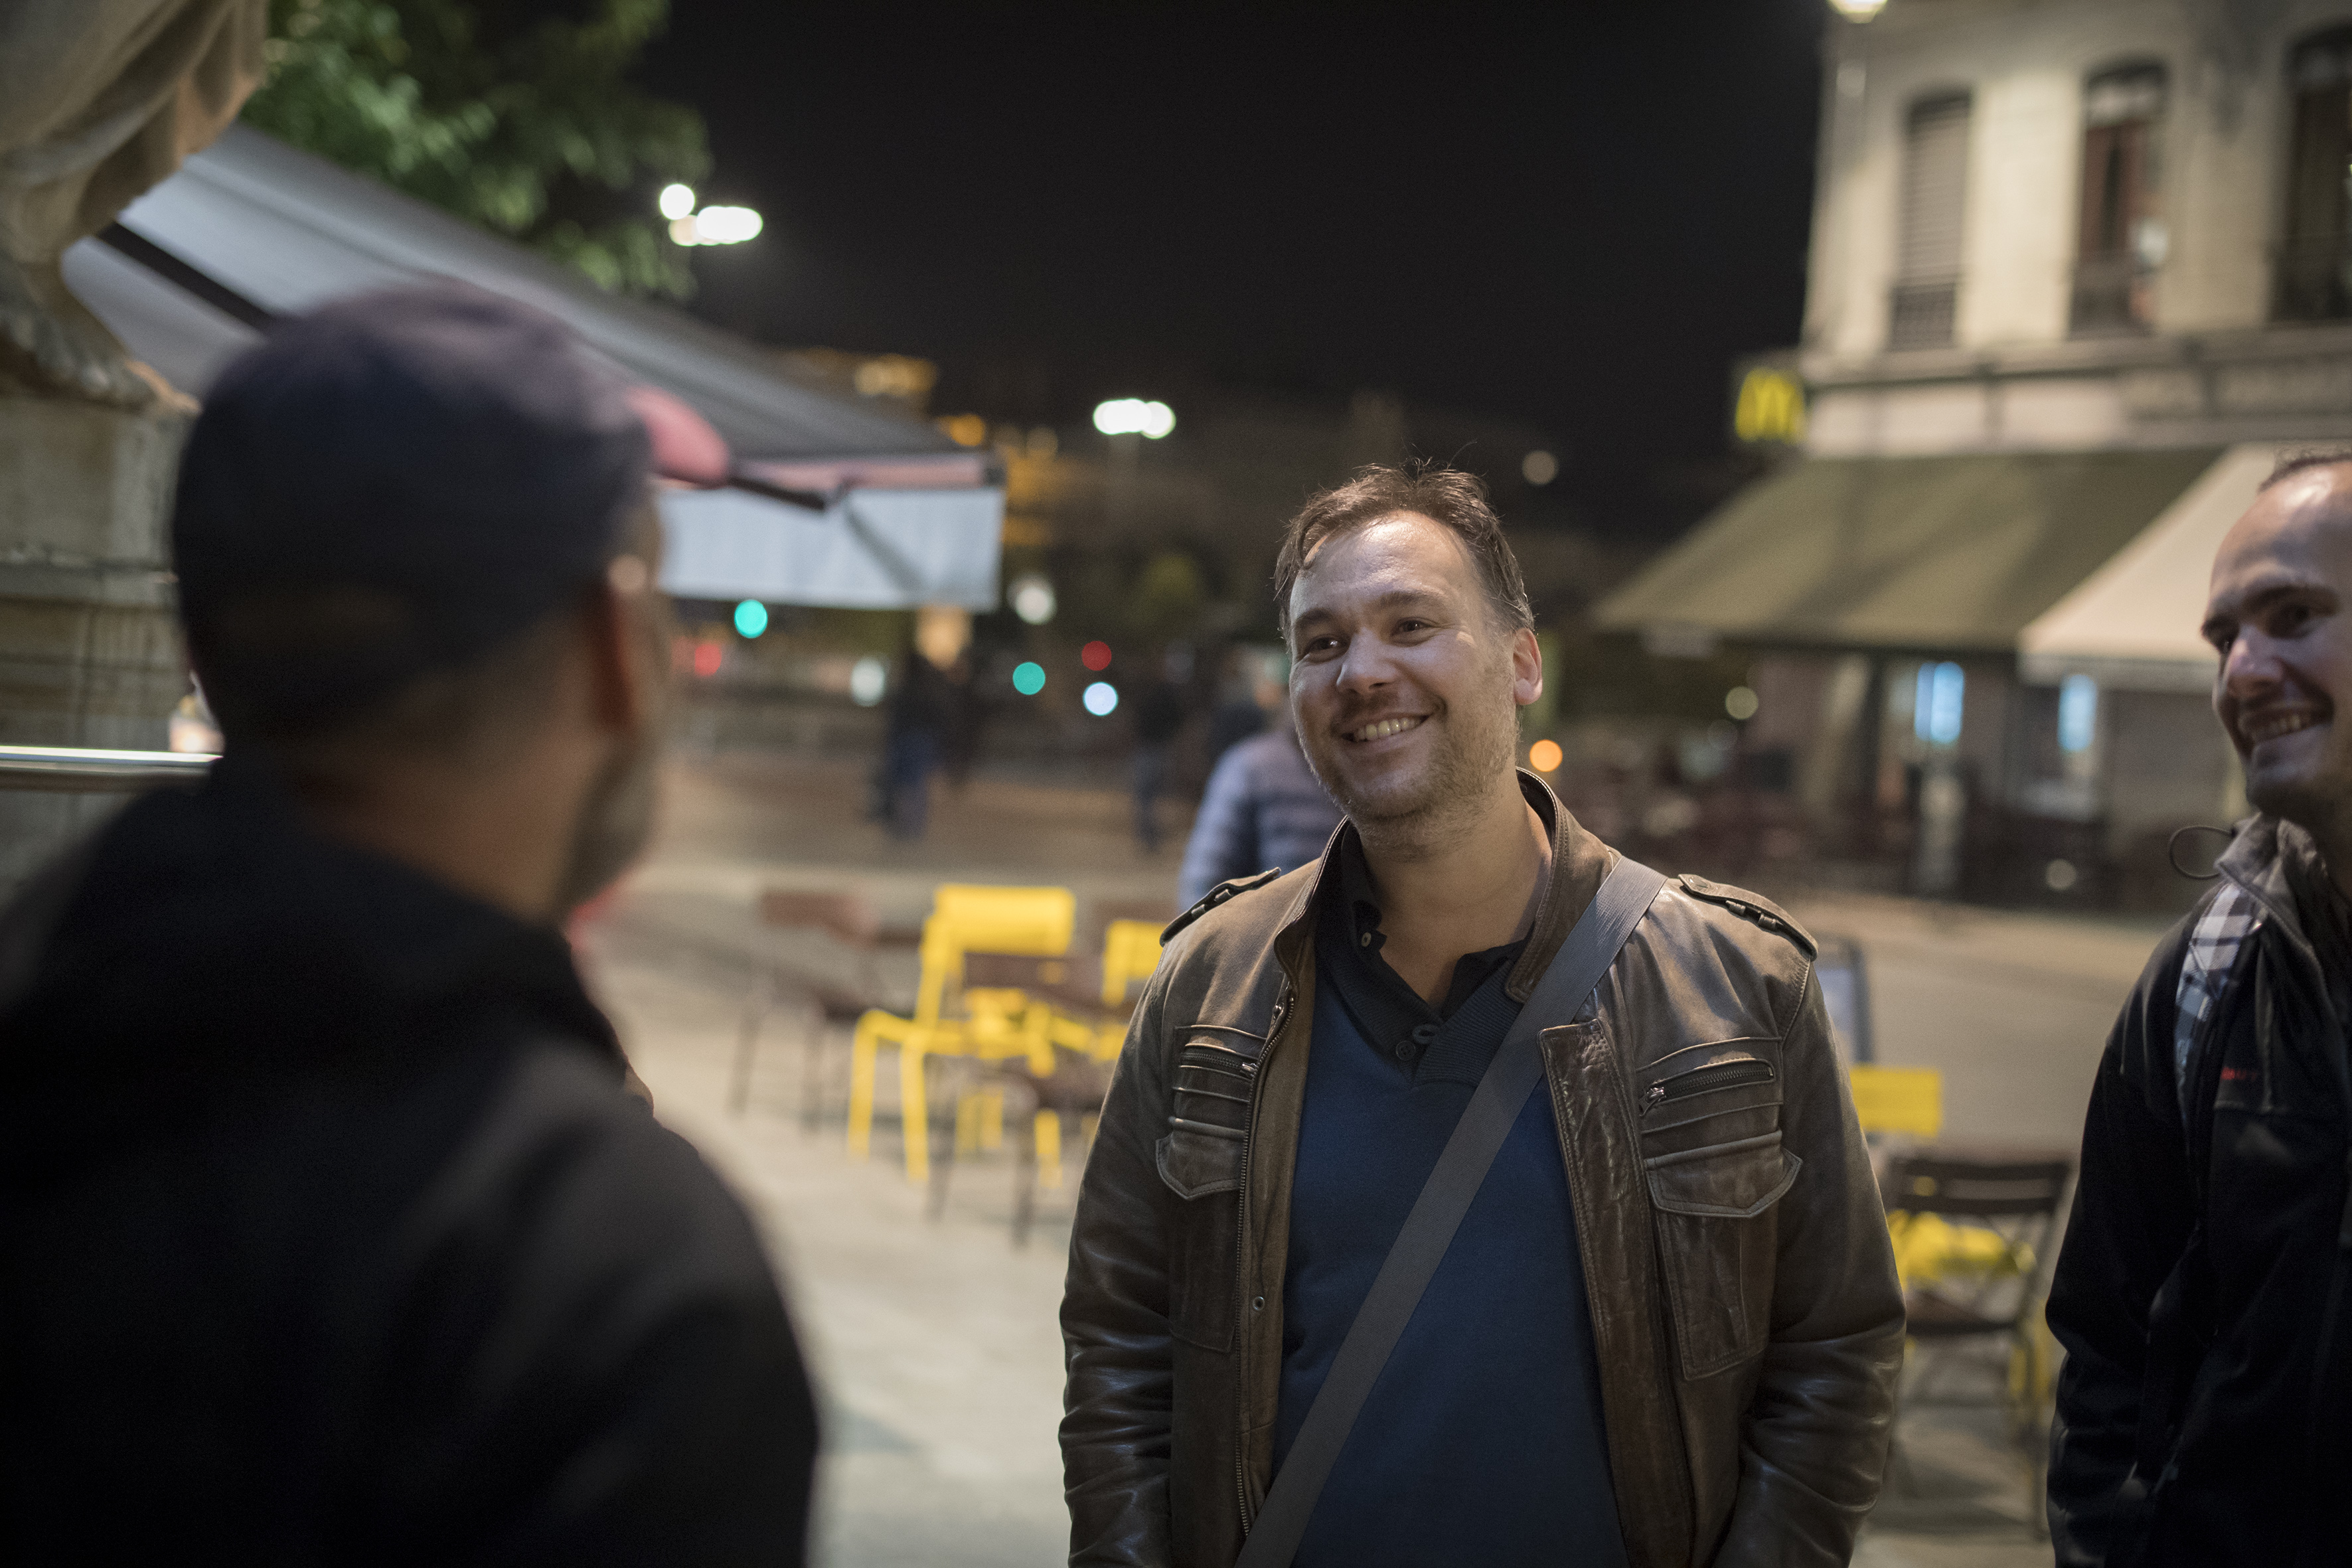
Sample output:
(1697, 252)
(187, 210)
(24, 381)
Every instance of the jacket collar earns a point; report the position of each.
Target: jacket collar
(1579, 862)
(2257, 861)
(220, 906)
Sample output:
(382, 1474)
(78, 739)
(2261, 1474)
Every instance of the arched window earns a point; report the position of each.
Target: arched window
(2121, 240)
(1928, 246)
(2314, 273)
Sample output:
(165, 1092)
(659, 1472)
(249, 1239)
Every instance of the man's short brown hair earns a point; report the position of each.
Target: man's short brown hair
(1446, 496)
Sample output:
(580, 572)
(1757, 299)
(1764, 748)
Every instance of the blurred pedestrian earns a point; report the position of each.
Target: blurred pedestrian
(1665, 1328)
(921, 712)
(2204, 1292)
(1250, 700)
(1159, 713)
(966, 721)
(1264, 808)
(331, 1232)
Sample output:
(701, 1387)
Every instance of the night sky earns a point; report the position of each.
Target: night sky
(1574, 215)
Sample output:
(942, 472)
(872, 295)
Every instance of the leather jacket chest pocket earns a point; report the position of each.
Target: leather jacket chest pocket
(1712, 1159)
(1200, 1159)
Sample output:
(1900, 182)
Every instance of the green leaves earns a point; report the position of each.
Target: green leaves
(530, 131)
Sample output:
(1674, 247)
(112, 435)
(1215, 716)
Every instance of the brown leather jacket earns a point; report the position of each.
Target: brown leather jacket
(1743, 1298)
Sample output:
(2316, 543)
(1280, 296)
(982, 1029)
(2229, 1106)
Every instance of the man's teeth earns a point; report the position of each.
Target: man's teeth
(2271, 728)
(1383, 728)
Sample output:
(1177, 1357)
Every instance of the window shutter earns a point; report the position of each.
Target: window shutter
(1934, 191)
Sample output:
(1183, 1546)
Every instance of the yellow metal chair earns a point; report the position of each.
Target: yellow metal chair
(1971, 1233)
(990, 1023)
(1906, 1100)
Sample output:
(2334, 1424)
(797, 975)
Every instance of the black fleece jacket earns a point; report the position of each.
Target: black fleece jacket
(327, 1233)
(2234, 1482)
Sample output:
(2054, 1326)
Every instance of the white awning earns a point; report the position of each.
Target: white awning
(2133, 623)
(250, 222)
(873, 548)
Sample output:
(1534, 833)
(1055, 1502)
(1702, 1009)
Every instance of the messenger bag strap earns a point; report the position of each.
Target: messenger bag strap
(1575, 971)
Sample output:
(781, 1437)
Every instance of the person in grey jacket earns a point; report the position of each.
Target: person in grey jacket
(1264, 808)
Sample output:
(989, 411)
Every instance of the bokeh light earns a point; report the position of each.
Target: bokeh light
(1545, 757)
(707, 657)
(677, 201)
(1740, 703)
(1032, 598)
(1029, 678)
(1101, 698)
(713, 226)
(868, 679)
(1095, 656)
(1134, 416)
(1539, 467)
(751, 617)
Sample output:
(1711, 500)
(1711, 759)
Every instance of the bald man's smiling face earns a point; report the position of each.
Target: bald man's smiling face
(2280, 614)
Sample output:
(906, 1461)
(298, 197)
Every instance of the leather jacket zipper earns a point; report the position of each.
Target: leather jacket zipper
(1241, 1258)
(1702, 1080)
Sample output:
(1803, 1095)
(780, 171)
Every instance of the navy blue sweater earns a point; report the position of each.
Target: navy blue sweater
(1482, 1442)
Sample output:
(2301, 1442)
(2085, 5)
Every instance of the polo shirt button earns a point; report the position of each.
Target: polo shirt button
(1422, 1033)
(1365, 940)
(1405, 1050)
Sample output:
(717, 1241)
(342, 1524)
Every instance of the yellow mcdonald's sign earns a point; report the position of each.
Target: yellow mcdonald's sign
(1770, 407)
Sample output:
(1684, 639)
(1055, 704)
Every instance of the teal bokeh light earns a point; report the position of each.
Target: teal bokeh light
(751, 617)
(1029, 678)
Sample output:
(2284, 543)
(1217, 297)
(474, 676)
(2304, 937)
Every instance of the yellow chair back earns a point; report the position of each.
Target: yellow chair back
(1898, 1100)
(1034, 922)
(1131, 953)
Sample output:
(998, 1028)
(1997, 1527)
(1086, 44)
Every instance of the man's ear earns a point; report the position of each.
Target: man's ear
(628, 652)
(1527, 667)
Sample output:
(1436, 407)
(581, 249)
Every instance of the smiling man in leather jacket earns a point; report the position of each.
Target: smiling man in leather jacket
(2204, 1294)
(1666, 1332)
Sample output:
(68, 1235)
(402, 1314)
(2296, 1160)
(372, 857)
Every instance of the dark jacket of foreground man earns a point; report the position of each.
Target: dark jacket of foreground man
(327, 1233)
(1745, 1312)
(2240, 1463)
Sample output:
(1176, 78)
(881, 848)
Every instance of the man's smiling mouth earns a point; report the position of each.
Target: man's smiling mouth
(2275, 725)
(1382, 728)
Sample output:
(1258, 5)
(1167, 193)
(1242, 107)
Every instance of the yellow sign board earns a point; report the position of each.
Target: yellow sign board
(1770, 408)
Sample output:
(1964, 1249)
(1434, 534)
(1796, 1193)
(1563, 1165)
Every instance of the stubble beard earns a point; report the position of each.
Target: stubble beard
(1425, 810)
(616, 820)
(2317, 798)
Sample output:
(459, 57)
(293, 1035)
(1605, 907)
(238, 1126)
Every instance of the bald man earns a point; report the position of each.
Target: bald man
(2204, 1295)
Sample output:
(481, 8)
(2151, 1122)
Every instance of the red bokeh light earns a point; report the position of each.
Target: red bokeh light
(707, 656)
(1095, 656)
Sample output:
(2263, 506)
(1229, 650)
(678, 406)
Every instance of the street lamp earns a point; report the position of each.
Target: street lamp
(1859, 10)
(710, 225)
(1134, 416)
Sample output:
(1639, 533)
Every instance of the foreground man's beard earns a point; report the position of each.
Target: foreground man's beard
(1475, 743)
(616, 820)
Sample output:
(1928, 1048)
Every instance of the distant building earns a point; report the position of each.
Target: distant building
(2079, 269)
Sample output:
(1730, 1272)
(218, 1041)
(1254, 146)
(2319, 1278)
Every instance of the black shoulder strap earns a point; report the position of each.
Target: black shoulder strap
(1625, 896)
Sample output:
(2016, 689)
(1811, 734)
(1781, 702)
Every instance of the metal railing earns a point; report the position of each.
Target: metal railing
(72, 770)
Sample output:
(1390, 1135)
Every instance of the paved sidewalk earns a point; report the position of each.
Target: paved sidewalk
(936, 1342)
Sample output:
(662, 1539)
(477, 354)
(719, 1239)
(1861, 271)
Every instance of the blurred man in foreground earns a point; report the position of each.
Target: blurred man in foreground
(1667, 1330)
(328, 1231)
(2204, 1294)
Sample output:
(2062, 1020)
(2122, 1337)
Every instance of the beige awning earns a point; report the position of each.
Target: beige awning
(1925, 554)
(2133, 623)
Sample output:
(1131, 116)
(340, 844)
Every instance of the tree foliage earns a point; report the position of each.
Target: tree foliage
(520, 122)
